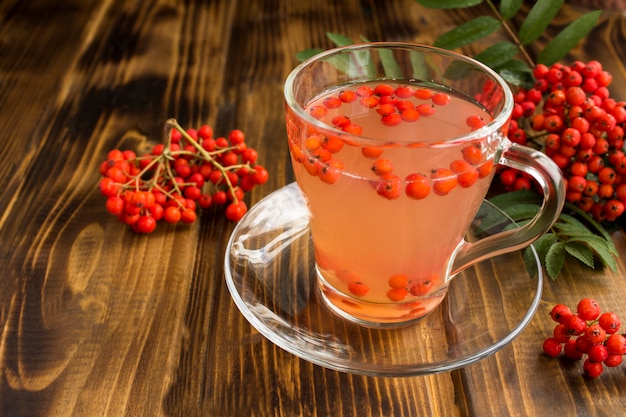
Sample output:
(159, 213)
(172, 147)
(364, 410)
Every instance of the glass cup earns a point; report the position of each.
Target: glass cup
(394, 147)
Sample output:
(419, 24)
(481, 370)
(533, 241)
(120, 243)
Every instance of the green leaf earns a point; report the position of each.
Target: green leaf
(600, 247)
(497, 54)
(567, 39)
(530, 261)
(555, 259)
(512, 198)
(307, 53)
(569, 229)
(339, 39)
(543, 244)
(468, 32)
(448, 4)
(522, 211)
(597, 226)
(508, 8)
(538, 20)
(517, 72)
(418, 65)
(581, 252)
(390, 65)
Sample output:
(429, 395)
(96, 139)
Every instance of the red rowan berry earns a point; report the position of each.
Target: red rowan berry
(444, 181)
(610, 322)
(358, 288)
(588, 309)
(552, 347)
(616, 344)
(417, 186)
(592, 369)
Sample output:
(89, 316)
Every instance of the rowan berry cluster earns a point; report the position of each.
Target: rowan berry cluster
(589, 332)
(191, 169)
(571, 117)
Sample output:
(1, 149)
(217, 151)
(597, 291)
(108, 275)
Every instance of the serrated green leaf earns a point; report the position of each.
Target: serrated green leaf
(307, 53)
(538, 19)
(339, 39)
(581, 252)
(497, 54)
(555, 259)
(597, 226)
(504, 200)
(572, 220)
(530, 261)
(567, 39)
(448, 4)
(468, 32)
(600, 247)
(518, 73)
(522, 211)
(543, 244)
(508, 8)
(569, 229)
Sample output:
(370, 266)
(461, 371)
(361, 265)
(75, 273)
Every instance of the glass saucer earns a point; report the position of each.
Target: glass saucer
(270, 274)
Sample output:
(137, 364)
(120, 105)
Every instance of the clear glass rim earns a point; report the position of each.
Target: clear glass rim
(493, 126)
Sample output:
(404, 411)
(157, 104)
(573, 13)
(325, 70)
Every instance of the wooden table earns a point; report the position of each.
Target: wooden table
(99, 321)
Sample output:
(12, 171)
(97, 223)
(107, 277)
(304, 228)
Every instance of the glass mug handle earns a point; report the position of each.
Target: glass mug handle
(549, 177)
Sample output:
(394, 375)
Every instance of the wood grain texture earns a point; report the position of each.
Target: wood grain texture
(98, 321)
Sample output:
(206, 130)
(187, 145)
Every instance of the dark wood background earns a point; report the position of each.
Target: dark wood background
(96, 320)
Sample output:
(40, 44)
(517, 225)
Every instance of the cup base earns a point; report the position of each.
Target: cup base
(376, 315)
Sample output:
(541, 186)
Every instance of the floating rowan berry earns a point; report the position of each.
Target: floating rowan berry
(410, 115)
(358, 288)
(318, 111)
(444, 181)
(466, 174)
(425, 109)
(421, 288)
(332, 103)
(331, 172)
(389, 186)
(417, 186)
(386, 109)
(397, 294)
(333, 144)
(398, 281)
(347, 96)
(382, 166)
(371, 152)
(404, 91)
(392, 119)
(364, 91)
(473, 154)
(383, 90)
(441, 99)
